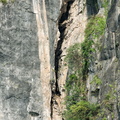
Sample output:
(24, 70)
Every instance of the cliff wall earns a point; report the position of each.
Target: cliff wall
(34, 37)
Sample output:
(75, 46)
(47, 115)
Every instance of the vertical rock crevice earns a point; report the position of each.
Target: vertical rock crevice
(92, 7)
(55, 100)
(61, 27)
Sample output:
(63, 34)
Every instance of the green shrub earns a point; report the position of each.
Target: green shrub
(104, 118)
(78, 58)
(74, 57)
(3, 1)
(82, 110)
(105, 6)
(109, 100)
(75, 90)
(78, 55)
(6, 1)
(95, 27)
(86, 49)
(72, 79)
(96, 80)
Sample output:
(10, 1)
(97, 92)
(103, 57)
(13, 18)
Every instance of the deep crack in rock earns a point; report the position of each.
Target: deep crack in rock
(58, 50)
(61, 26)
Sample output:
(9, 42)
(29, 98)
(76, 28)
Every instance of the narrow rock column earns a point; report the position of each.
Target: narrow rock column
(44, 57)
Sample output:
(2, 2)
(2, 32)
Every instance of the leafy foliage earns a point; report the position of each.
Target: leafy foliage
(74, 57)
(3, 1)
(96, 80)
(86, 49)
(78, 58)
(75, 89)
(108, 102)
(105, 6)
(95, 27)
(6, 1)
(82, 110)
(110, 97)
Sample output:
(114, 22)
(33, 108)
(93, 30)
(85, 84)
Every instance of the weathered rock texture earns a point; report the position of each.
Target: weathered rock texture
(34, 37)
(71, 27)
(106, 64)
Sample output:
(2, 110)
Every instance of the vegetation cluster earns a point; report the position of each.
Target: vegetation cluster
(3, 1)
(79, 57)
(6, 1)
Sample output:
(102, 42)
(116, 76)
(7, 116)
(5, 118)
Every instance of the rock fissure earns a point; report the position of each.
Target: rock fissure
(55, 98)
(35, 37)
(61, 27)
(92, 7)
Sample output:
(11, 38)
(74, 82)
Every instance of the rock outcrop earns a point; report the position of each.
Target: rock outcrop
(106, 64)
(34, 37)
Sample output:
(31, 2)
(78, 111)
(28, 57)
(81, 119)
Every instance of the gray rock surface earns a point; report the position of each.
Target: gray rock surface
(34, 37)
(28, 34)
(19, 62)
(107, 63)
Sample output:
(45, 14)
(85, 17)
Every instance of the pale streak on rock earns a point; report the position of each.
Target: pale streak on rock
(44, 57)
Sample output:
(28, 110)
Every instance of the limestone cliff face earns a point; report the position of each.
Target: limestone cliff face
(34, 37)
(106, 64)
(19, 61)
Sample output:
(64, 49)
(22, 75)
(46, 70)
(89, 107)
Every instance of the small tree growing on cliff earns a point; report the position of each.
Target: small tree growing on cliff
(74, 58)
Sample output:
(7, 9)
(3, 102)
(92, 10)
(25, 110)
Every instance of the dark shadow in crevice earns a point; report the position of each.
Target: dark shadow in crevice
(95, 93)
(58, 50)
(118, 112)
(34, 114)
(92, 7)
(61, 26)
